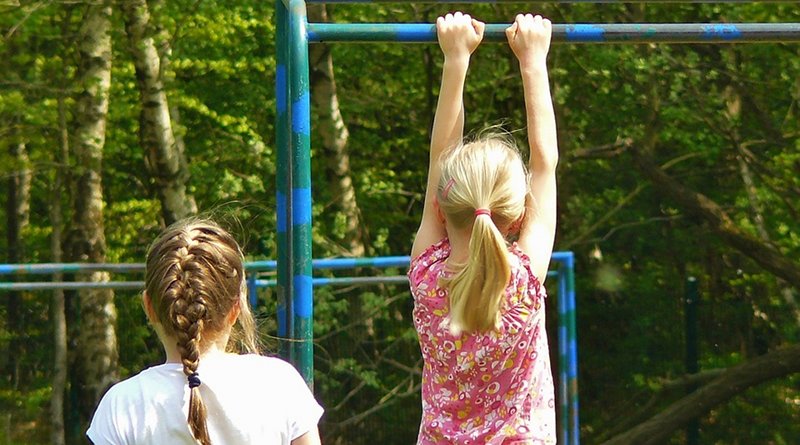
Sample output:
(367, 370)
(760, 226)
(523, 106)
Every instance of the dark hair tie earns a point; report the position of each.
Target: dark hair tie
(194, 380)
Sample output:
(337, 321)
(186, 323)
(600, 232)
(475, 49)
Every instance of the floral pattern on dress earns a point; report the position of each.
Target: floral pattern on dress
(491, 387)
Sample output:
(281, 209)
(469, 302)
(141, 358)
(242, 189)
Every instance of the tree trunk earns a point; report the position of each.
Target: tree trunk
(17, 216)
(701, 206)
(334, 134)
(776, 364)
(58, 303)
(165, 157)
(734, 109)
(96, 354)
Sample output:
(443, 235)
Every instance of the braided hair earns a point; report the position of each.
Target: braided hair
(194, 278)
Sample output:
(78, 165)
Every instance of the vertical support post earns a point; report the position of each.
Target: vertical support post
(572, 348)
(692, 366)
(300, 115)
(563, 385)
(252, 290)
(283, 185)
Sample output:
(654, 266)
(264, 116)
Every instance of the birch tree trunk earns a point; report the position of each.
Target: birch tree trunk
(165, 157)
(334, 134)
(58, 303)
(17, 216)
(733, 95)
(339, 182)
(96, 355)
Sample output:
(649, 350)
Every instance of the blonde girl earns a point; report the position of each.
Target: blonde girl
(195, 298)
(479, 299)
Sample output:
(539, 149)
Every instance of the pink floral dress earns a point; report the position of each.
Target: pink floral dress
(483, 388)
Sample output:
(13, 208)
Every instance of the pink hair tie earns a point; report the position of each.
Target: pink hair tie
(479, 212)
(447, 187)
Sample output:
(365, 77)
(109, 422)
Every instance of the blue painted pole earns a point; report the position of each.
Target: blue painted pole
(252, 280)
(252, 291)
(572, 347)
(300, 116)
(339, 263)
(283, 187)
(692, 355)
(563, 391)
(250, 266)
(572, 33)
(52, 268)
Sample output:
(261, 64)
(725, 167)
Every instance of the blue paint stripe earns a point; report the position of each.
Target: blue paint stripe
(301, 210)
(280, 199)
(303, 301)
(413, 33)
(281, 88)
(585, 33)
(561, 256)
(569, 306)
(572, 367)
(301, 109)
(281, 315)
(723, 31)
(252, 295)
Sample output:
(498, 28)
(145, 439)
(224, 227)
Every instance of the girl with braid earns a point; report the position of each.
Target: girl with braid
(479, 298)
(195, 299)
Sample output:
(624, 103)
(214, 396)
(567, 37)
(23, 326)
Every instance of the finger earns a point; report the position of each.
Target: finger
(511, 31)
(479, 27)
(547, 24)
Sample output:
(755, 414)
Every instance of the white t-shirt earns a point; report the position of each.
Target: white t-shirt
(250, 399)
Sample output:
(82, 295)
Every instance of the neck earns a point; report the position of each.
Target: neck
(459, 244)
(173, 356)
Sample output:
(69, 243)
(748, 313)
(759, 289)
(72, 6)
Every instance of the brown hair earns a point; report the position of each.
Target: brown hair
(194, 278)
(486, 174)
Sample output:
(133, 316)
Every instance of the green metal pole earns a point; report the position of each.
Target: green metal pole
(692, 366)
(283, 185)
(572, 348)
(299, 114)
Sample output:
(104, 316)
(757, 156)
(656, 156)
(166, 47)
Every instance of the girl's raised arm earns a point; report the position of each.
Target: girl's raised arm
(459, 35)
(529, 38)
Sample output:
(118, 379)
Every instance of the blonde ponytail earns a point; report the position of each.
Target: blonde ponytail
(476, 291)
(483, 185)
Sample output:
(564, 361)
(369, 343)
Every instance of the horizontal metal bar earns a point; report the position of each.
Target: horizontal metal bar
(51, 268)
(574, 33)
(345, 281)
(250, 266)
(139, 285)
(71, 285)
(337, 263)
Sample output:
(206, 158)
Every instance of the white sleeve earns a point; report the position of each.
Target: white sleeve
(304, 411)
(104, 429)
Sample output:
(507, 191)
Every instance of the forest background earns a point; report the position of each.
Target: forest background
(117, 118)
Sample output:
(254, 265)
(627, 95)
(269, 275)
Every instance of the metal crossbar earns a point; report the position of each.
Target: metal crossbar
(574, 33)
